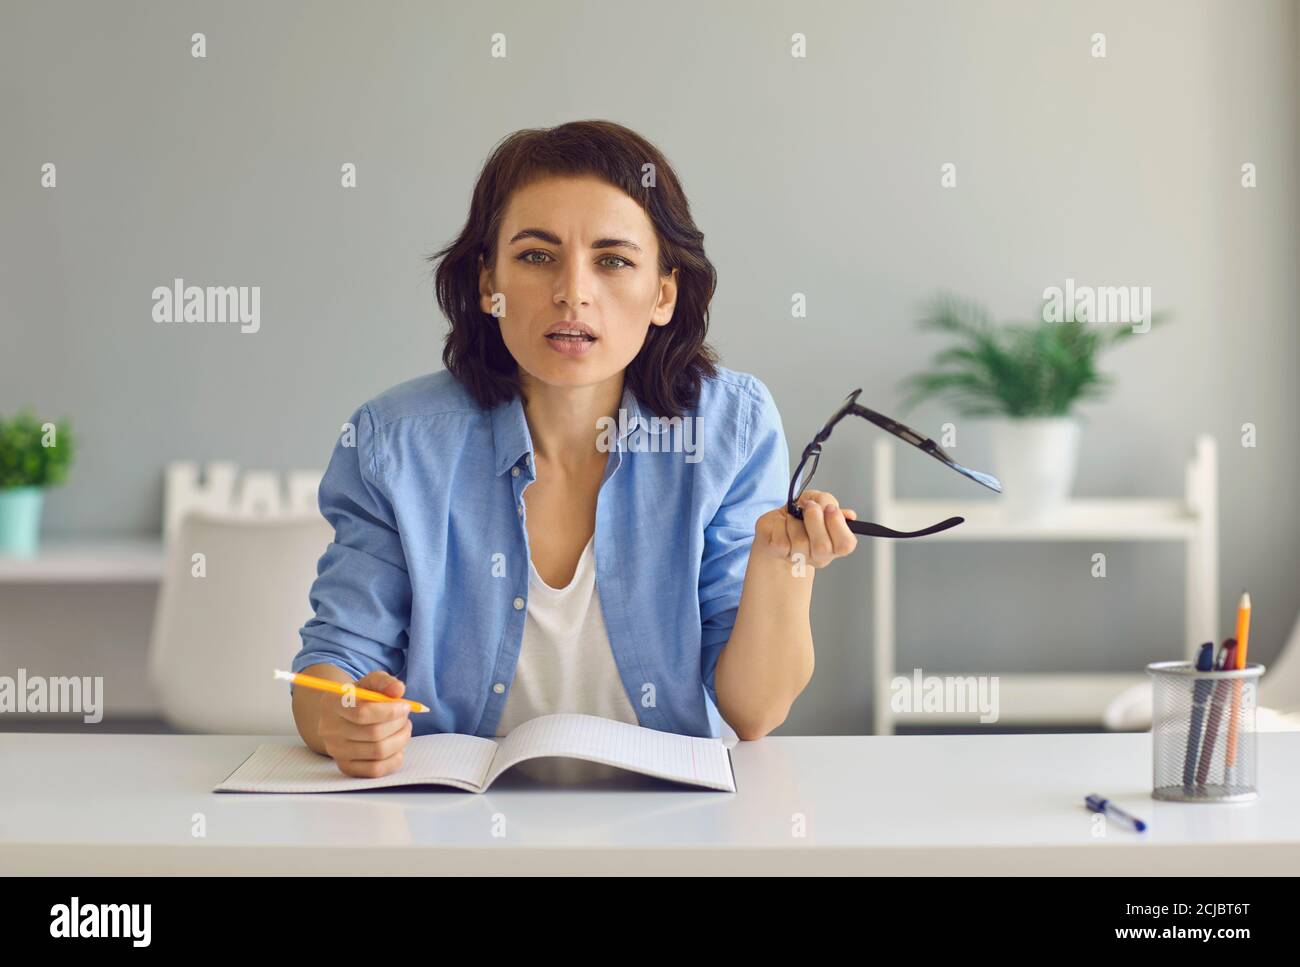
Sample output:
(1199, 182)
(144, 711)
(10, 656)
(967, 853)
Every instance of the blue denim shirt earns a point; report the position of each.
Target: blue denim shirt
(427, 575)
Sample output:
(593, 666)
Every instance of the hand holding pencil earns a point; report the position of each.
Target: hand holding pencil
(365, 726)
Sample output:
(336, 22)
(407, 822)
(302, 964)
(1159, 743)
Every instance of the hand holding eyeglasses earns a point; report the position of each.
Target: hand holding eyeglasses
(812, 453)
(820, 535)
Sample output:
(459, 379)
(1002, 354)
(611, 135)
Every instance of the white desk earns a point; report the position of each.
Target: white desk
(1000, 804)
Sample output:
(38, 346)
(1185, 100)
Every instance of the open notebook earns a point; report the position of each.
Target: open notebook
(471, 762)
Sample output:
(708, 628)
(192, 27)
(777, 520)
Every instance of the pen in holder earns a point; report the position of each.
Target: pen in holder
(1203, 735)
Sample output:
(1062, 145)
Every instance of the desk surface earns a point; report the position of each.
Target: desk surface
(962, 804)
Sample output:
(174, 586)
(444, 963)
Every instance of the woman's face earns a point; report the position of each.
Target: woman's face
(576, 250)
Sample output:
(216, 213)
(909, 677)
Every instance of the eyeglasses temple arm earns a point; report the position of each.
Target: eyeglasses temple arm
(869, 529)
(927, 445)
(893, 426)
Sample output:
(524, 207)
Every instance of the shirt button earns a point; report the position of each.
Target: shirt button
(519, 603)
(520, 508)
(498, 688)
(514, 471)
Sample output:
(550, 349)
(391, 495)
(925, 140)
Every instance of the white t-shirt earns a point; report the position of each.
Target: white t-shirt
(566, 665)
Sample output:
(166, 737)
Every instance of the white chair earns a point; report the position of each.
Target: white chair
(1278, 704)
(239, 568)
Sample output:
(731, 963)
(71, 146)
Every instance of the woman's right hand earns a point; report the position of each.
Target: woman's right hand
(366, 739)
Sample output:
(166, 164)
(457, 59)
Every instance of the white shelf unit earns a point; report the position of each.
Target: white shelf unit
(258, 494)
(61, 561)
(1062, 698)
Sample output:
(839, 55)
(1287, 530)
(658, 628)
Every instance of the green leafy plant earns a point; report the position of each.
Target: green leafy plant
(24, 459)
(1016, 370)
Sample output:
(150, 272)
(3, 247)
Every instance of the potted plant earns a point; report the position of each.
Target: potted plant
(1027, 379)
(32, 456)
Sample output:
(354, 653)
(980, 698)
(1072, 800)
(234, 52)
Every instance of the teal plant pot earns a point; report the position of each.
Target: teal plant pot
(20, 520)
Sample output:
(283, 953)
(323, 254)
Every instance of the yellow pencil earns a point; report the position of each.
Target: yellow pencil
(1243, 634)
(339, 688)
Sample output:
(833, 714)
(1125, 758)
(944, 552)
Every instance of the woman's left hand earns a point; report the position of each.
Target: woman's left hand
(821, 537)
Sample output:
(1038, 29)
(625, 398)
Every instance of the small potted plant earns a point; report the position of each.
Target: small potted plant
(32, 456)
(1027, 379)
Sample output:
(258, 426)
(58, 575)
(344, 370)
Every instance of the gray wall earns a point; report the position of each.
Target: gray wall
(816, 175)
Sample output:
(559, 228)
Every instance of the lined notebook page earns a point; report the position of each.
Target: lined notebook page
(447, 758)
(683, 758)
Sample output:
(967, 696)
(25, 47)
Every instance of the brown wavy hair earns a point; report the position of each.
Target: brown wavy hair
(666, 373)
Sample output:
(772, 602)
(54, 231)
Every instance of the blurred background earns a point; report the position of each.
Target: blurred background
(846, 162)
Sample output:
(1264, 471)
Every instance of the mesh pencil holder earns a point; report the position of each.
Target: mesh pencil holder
(1203, 738)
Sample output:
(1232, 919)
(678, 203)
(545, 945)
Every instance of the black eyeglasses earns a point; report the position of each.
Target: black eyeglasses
(812, 452)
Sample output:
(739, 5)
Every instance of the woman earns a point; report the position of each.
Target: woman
(582, 512)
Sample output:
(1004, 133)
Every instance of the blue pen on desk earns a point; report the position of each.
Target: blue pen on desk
(1100, 805)
(1200, 696)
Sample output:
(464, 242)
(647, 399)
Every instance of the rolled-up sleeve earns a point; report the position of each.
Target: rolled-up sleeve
(362, 592)
(760, 485)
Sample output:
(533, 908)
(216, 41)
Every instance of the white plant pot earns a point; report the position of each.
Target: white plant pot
(1035, 458)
